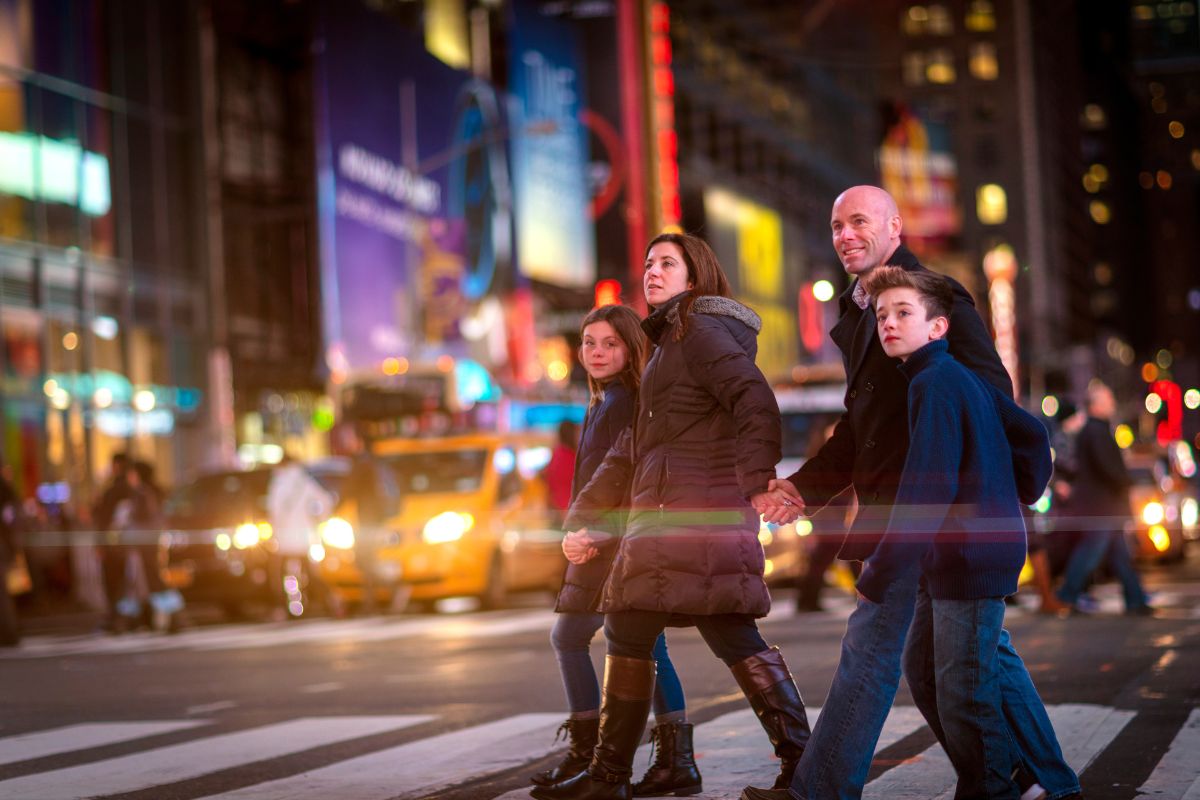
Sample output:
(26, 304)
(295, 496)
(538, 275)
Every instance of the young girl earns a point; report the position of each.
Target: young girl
(614, 353)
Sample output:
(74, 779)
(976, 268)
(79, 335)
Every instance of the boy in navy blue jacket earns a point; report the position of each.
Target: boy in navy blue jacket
(974, 457)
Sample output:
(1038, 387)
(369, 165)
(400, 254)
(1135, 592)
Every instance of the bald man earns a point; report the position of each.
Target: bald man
(867, 451)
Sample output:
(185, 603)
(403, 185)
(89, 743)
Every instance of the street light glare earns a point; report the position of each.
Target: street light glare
(823, 291)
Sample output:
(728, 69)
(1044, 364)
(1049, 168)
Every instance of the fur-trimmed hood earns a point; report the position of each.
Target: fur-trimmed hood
(721, 306)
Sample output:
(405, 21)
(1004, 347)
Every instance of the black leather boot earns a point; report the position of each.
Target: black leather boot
(768, 685)
(673, 772)
(581, 739)
(628, 687)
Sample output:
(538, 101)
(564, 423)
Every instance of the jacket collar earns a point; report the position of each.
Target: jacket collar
(927, 355)
(661, 318)
(902, 257)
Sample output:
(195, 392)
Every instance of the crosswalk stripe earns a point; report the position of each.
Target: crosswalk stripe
(26, 746)
(1177, 774)
(417, 768)
(1082, 730)
(193, 759)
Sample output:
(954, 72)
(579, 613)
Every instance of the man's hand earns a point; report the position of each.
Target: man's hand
(780, 504)
(577, 546)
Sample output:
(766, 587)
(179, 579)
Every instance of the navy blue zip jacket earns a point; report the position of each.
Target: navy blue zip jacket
(974, 456)
(603, 424)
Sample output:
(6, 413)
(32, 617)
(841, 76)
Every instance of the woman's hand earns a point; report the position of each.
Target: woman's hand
(578, 547)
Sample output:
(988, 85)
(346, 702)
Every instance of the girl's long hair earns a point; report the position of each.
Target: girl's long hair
(628, 326)
(704, 272)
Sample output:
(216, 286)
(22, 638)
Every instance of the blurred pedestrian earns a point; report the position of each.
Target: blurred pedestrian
(560, 470)
(868, 451)
(10, 506)
(148, 522)
(296, 504)
(614, 354)
(114, 554)
(690, 475)
(1099, 507)
(373, 489)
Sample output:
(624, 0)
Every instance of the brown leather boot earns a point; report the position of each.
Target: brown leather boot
(581, 739)
(768, 685)
(628, 688)
(674, 771)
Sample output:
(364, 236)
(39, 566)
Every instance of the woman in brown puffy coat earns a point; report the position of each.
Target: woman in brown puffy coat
(689, 473)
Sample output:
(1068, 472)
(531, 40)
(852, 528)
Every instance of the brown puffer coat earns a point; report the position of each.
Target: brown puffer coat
(705, 439)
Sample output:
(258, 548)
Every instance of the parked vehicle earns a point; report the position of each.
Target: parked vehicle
(1163, 502)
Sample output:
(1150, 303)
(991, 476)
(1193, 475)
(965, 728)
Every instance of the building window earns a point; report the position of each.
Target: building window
(940, 21)
(981, 16)
(913, 67)
(940, 66)
(991, 204)
(915, 20)
(982, 61)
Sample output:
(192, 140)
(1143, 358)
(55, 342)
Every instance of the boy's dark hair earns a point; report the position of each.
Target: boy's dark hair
(936, 294)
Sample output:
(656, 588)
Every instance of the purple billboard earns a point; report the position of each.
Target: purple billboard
(412, 194)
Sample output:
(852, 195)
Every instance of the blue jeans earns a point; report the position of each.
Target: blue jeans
(838, 756)
(1092, 547)
(957, 680)
(572, 636)
(1031, 732)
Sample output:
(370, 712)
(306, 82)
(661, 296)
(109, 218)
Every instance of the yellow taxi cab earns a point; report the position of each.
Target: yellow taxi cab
(473, 521)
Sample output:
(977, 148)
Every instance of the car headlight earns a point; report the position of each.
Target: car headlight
(245, 535)
(1153, 513)
(1189, 512)
(337, 532)
(449, 526)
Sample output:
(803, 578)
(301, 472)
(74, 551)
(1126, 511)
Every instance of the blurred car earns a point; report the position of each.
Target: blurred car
(1164, 502)
(473, 518)
(218, 538)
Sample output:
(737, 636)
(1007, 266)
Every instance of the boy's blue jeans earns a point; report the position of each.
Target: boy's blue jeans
(572, 636)
(945, 626)
(837, 760)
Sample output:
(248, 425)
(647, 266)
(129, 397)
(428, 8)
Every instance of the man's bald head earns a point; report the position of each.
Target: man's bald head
(866, 228)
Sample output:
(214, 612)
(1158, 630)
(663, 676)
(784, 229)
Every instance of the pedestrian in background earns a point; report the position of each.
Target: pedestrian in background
(1099, 506)
(296, 503)
(868, 450)
(560, 469)
(373, 489)
(10, 508)
(613, 353)
(690, 474)
(114, 555)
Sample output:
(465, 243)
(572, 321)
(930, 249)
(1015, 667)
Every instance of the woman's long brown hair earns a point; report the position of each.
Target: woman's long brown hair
(704, 272)
(628, 326)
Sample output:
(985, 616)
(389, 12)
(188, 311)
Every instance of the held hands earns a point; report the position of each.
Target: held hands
(578, 547)
(780, 504)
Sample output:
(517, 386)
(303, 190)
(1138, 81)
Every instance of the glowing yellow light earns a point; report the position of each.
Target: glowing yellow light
(768, 567)
(337, 532)
(61, 399)
(245, 535)
(1100, 212)
(448, 526)
(823, 291)
(1189, 512)
(1149, 372)
(804, 527)
(50, 387)
(1049, 405)
(1196, 158)
(1153, 513)
(1163, 178)
(1124, 436)
(765, 537)
(70, 340)
(1090, 184)
(558, 370)
(103, 397)
(1191, 399)
(144, 400)
(223, 541)
(316, 553)
(264, 531)
(1160, 538)
(1099, 172)
(1153, 403)
(391, 366)
(991, 204)
(1176, 129)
